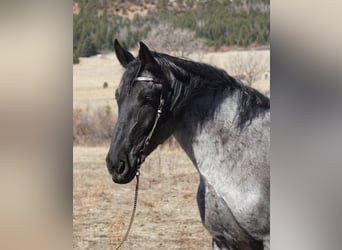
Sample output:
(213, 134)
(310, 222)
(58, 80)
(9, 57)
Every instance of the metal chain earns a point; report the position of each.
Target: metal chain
(133, 211)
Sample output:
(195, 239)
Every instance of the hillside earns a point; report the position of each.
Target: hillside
(125, 9)
(128, 9)
(213, 24)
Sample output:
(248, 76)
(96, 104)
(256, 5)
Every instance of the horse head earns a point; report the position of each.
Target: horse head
(142, 94)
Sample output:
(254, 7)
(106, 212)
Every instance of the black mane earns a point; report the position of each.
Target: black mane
(192, 79)
(200, 77)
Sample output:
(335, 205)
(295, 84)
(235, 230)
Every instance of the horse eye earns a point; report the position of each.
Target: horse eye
(149, 100)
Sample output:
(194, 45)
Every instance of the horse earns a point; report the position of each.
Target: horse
(221, 124)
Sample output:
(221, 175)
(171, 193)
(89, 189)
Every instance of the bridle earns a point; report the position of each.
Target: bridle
(142, 156)
(142, 153)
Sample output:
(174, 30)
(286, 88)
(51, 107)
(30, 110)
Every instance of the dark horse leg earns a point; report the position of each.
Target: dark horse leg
(221, 245)
(215, 246)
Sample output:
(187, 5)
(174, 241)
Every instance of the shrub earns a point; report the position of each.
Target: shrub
(93, 126)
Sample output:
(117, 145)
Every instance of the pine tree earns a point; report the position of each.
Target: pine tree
(87, 47)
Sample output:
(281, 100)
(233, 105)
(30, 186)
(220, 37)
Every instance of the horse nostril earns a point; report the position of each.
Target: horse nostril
(121, 167)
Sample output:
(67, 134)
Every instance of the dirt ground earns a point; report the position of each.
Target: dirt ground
(167, 215)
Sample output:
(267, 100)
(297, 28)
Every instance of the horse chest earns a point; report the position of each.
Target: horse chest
(235, 201)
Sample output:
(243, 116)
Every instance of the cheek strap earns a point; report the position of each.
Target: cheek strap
(142, 155)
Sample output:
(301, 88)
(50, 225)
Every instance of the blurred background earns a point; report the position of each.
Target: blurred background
(37, 138)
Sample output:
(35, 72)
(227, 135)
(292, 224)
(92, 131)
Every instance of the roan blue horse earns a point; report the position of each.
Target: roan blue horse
(222, 125)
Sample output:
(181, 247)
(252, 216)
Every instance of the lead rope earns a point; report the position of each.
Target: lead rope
(133, 211)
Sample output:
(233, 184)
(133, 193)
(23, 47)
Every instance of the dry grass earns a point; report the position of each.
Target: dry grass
(167, 215)
(93, 127)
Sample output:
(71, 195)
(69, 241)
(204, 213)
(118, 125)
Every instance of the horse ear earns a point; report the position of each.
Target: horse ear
(124, 56)
(146, 58)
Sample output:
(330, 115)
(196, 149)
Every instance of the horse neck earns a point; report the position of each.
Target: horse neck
(204, 120)
(209, 133)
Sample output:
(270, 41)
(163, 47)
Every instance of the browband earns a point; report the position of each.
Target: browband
(147, 79)
(144, 78)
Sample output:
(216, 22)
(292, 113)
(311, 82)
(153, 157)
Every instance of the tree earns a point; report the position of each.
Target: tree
(87, 47)
(247, 66)
(178, 42)
(75, 59)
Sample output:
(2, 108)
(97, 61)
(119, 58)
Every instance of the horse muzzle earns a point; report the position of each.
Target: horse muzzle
(120, 170)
